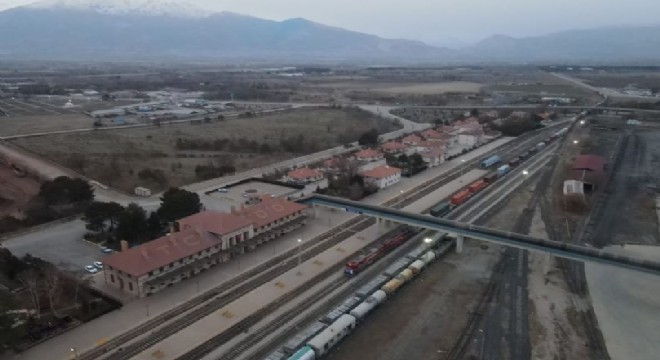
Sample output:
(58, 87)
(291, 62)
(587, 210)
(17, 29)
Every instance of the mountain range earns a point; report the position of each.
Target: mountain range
(173, 30)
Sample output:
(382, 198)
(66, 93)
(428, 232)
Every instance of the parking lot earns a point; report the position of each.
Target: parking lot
(61, 245)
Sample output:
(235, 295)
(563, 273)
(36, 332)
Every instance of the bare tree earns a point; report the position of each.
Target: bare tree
(30, 279)
(53, 286)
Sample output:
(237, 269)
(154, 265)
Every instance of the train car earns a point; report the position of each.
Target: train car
(515, 162)
(329, 337)
(540, 146)
(460, 197)
(374, 253)
(441, 209)
(305, 353)
(393, 285)
(477, 186)
(397, 267)
(362, 310)
(429, 257)
(302, 337)
(340, 310)
(524, 156)
(416, 267)
(490, 161)
(491, 178)
(371, 286)
(503, 170)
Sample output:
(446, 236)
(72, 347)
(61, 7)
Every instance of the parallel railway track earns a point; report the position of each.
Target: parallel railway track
(213, 299)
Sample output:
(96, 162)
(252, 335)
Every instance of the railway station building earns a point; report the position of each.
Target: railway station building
(382, 176)
(199, 242)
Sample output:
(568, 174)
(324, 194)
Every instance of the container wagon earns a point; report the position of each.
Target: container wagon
(540, 146)
(503, 170)
(491, 178)
(515, 162)
(488, 162)
(329, 337)
(460, 197)
(441, 209)
(477, 186)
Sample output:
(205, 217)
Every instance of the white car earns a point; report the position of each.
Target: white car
(106, 250)
(223, 190)
(98, 265)
(91, 269)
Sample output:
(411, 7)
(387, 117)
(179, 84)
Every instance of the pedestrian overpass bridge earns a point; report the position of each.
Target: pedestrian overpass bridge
(555, 248)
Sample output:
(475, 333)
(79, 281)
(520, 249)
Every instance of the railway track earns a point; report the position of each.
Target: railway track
(240, 285)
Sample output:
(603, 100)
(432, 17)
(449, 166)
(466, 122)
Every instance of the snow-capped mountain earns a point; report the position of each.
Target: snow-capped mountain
(127, 7)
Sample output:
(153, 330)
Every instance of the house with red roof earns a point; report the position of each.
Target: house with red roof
(393, 147)
(382, 176)
(433, 157)
(203, 240)
(411, 139)
(304, 175)
(368, 155)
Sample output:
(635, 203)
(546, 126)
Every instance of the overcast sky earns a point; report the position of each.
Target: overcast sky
(444, 22)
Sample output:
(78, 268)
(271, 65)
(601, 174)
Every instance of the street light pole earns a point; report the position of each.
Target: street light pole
(462, 169)
(299, 255)
(75, 353)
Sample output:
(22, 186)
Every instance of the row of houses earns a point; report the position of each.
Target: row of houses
(199, 242)
(432, 145)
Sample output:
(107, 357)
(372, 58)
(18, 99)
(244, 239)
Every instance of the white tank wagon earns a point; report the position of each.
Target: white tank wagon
(327, 338)
(396, 267)
(373, 285)
(417, 266)
(428, 257)
(362, 310)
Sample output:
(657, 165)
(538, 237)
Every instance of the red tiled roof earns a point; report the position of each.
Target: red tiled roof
(368, 153)
(381, 172)
(330, 163)
(432, 144)
(472, 120)
(393, 146)
(303, 173)
(142, 259)
(432, 153)
(215, 222)
(269, 210)
(589, 162)
(412, 138)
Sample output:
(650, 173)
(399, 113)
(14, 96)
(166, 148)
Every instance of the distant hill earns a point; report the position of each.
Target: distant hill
(174, 30)
(90, 32)
(612, 44)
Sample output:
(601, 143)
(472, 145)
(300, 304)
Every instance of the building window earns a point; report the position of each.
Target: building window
(130, 286)
(112, 278)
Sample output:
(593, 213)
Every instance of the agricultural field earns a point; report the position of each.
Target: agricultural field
(175, 155)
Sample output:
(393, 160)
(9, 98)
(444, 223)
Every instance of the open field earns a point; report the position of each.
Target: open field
(15, 192)
(411, 88)
(170, 154)
(621, 80)
(18, 125)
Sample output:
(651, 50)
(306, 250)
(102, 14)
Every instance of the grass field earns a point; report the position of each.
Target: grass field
(17, 125)
(410, 88)
(116, 157)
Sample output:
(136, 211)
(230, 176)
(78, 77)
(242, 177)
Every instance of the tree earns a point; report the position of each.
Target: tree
(132, 224)
(369, 138)
(30, 280)
(416, 161)
(101, 214)
(178, 203)
(65, 190)
(403, 159)
(474, 112)
(155, 226)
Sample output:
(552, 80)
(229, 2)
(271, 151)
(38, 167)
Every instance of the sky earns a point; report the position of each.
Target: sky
(451, 23)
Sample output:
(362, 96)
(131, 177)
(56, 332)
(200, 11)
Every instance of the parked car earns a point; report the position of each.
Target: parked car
(223, 190)
(98, 265)
(106, 250)
(91, 269)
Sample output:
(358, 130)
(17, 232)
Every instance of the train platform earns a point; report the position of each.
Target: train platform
(294, 280)
(138, 310)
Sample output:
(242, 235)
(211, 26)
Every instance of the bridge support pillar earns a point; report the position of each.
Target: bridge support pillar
(315, 211)
(548, 263)
(459, 243)
(381, 225)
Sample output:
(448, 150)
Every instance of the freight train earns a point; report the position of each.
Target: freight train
(374, 253)
(319, 338)
(443, 208)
